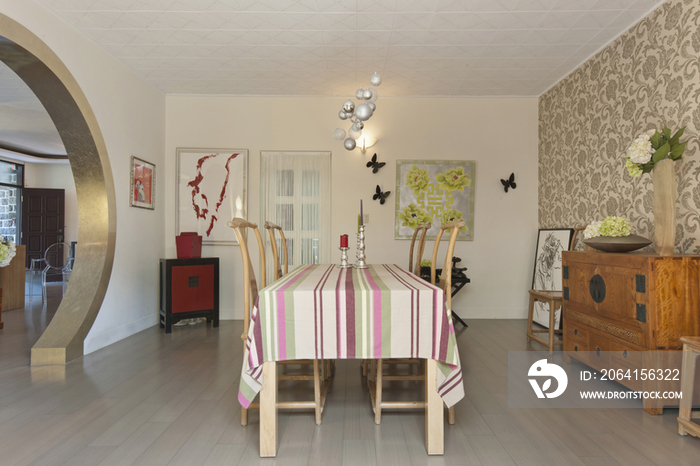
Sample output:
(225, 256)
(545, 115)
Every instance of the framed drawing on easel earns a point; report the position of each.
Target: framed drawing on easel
(548, 270)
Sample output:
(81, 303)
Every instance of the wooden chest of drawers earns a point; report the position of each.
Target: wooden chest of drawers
(618, 304)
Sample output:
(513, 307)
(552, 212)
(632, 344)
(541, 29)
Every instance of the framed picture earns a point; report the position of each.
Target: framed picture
(548, 270)
(143, 184)
(212, 187)
(435, 191)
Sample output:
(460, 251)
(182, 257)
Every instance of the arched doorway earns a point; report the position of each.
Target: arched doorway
(52, 83)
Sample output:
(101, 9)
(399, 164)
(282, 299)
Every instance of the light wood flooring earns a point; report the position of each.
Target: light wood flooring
(157, 399)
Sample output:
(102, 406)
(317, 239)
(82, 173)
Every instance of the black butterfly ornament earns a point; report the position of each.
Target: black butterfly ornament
(380, 195)
(509, 183)
(374, 164)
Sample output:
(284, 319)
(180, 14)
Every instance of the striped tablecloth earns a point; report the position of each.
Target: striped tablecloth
(325, 312)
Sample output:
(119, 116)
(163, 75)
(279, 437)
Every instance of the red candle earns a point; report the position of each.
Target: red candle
(343, 241)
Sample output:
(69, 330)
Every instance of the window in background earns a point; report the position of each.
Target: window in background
(295, 194)
(11, 184)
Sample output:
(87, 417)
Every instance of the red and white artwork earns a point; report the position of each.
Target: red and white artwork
(212, 187)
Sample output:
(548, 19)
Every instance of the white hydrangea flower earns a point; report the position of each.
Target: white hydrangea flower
(592, 230)
(7, 252)
(640, 151)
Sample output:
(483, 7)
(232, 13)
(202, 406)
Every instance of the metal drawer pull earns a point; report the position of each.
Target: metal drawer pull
(597, 351)
(575, 348)
(576, 332)
(624, 354)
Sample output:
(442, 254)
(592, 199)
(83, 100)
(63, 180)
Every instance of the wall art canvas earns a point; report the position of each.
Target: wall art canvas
(435, 191)
(212, 187)
(548, 270)
(143, 184)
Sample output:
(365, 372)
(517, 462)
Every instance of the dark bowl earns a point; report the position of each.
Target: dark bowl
(617, 244)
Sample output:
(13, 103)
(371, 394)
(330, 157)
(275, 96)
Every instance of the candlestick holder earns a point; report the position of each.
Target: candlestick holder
(360, 255)
(344, 258)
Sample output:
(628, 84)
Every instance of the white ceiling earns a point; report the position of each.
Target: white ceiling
(330, 47)
(24, 124)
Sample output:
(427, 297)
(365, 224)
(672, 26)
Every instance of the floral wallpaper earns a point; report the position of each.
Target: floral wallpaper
(647, 78)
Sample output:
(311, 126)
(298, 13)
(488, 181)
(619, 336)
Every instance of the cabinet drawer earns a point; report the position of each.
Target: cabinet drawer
(576, 332)
(625, 355)
(577, 347)
(598, 355)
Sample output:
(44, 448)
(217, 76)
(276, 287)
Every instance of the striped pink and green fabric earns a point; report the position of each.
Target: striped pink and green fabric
(326, 312)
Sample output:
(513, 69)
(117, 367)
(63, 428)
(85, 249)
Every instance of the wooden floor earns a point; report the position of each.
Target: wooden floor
(156, 399)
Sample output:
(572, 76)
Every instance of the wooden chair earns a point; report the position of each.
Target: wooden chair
(326, 363)
(691, 352)
(423, 229)
(554, 299)
(250, 295)
(445, 283)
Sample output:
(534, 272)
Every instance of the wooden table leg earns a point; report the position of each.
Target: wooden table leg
(434, 412)
(268, 411)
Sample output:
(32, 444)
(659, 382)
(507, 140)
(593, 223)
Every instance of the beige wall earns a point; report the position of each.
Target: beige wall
(500, 134)
(646, 78)
(131, 116)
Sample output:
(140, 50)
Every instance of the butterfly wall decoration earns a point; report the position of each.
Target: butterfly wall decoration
(380, 195)
(509, 183)
(374, 165)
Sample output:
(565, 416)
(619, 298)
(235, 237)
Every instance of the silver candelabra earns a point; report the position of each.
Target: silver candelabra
(360, 261)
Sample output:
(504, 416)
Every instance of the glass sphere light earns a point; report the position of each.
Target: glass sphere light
(349, 106)
(349, 144)
(375, 79)
(363, 112)
(339, 134)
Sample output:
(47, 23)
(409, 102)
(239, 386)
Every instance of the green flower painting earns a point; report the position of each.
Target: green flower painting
(417, 179)
(453, 179)
(412, 216)
(435, 191)
(450, 215)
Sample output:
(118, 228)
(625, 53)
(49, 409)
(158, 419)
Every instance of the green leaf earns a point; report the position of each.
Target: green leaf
(667, 132)
(656, 140)
(647, 167)
(677, 136)
(677, 151)
(661, 153)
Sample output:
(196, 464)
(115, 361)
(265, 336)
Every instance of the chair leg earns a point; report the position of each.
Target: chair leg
(317, 392)
(364, 368)
(244, 416)
(552, 311)
(530, 311)
(451, 415)
(378, 395)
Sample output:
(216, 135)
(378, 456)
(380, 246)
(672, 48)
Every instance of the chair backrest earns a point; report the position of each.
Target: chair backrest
(250, 287)
(271, 227)
(55, 255)
(423, 229)
(573, 237)
(446, 274)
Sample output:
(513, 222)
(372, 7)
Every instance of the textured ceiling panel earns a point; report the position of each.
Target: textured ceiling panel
(283, 47)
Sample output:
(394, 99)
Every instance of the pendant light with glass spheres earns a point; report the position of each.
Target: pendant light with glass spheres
(358, 114)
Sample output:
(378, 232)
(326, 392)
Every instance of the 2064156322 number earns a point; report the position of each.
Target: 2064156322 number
(640, 374)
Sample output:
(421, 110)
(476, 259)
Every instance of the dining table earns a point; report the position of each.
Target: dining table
(324, 311)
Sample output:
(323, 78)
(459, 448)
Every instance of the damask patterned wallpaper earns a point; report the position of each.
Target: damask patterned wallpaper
(648, 77)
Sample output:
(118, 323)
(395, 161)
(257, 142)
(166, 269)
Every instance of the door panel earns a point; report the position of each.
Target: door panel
(43, 212)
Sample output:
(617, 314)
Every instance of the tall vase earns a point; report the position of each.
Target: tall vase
(665, 191)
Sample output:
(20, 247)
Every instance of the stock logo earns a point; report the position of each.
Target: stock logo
(542, 368)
